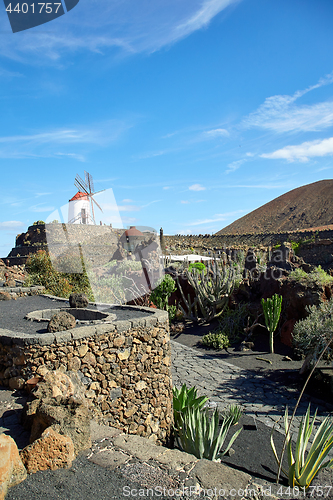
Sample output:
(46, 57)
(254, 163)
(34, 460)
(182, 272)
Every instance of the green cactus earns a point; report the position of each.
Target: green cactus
(272, 311)
(212, 291)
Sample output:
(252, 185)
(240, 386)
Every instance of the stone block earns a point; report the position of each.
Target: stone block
(140, 447)
(138, 322)
(51, 451)
(104, 328)
(176, 459)
(63, 337)
(46, 338)
(12, 470)
(99, 431)
(82, 332)
(109, 458)
(151, 321)
(216, 475)
(123, 326)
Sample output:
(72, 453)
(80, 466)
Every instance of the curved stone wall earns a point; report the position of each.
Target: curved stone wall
(125, 367)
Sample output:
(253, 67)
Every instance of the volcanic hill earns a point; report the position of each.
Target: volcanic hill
(306, 207)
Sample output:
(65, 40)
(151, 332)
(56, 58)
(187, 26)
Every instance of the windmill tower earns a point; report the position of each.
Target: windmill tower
(81, 206)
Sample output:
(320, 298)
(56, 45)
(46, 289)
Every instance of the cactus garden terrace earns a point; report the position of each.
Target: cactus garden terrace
(261, 383)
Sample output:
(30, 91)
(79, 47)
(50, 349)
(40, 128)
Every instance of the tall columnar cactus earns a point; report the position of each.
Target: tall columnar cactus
(212, 291)
(272, 311)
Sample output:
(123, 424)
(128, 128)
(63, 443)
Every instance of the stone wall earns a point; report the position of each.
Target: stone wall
(316, 246)
(211, 242)
(125, 366)
(13, 292)
(97, 241)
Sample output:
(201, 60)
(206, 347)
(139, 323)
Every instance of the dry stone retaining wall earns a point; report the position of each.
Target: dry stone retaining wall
(316, 246)
(250, 239)
(125, 366)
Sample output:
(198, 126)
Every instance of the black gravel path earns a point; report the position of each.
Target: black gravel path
(83, 481)
(12, 313)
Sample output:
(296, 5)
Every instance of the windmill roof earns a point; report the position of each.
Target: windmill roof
(79, 195)
(133, 231)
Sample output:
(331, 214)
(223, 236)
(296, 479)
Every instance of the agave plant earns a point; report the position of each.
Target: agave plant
(201, 435)
(184, 399)
(302, 468)
(235, 412)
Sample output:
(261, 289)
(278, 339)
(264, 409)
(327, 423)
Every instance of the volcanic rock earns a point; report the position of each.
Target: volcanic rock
(59, 401)
(51, 451)
(61, 321)
(78, 300)
(12, 470)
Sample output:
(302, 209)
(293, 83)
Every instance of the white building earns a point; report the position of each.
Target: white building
(79, 209)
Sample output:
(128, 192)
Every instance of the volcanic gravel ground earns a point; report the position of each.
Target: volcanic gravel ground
(12, 313)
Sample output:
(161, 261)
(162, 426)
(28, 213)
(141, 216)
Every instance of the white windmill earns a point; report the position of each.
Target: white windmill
(81, 206)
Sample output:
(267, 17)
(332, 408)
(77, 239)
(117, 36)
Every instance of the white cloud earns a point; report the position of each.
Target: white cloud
(120, 208)
(100, 134)
(150, 203)
(10, 224)
(184, 231)
(303, 152)
(41, 208)
(197, 187)
(166, 188)
(280, 113)
(232, 167)
(185, 202)
(151, 154)
(129, 220)
(208, 10)
(46, 144)
(4, 73)
(206, 221)
(218, 132)
(72, 155)
(216, 218)
(128, 201)
(37, 195)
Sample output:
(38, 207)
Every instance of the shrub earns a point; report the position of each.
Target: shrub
(41, 272)
(124, 266)
(199, 266)
(216, 339)
(298, 274)
(296, 245)
(160, 295)
(109, 288)
(231, 327)
(311, 334)
(318, 276)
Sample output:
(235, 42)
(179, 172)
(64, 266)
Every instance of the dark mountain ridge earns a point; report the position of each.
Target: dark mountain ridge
(309, 206)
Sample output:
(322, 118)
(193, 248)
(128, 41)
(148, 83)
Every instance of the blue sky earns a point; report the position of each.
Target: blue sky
(194, 112)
